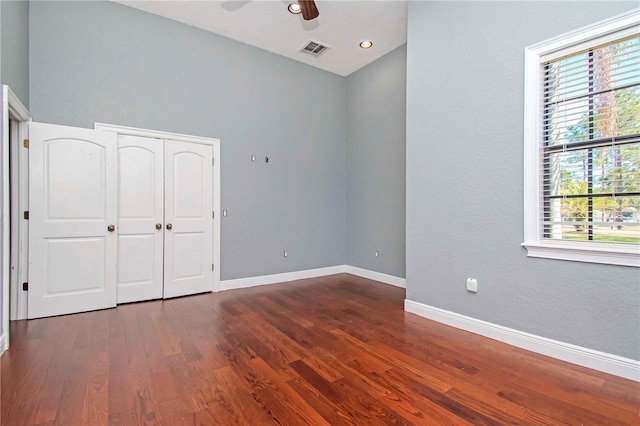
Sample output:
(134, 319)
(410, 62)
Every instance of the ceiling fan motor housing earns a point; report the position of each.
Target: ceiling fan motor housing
(309, 9)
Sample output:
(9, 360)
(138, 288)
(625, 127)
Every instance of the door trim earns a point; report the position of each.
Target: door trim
(15, 259)
(215, 143)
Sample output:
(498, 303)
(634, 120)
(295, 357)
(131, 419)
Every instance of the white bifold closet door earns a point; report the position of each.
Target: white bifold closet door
(72, 218)
(116, 219)
(165, 240)
(188, 215)
(140, 218)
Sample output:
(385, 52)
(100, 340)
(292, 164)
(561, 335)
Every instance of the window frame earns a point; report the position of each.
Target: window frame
(608, 30)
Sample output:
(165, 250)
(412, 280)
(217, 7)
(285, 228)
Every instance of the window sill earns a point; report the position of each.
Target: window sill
(580, 253)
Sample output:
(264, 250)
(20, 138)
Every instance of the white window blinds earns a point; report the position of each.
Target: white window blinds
(590, 148)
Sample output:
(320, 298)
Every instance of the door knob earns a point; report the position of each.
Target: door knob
(158, 226)
(169, 226)
(111, 228)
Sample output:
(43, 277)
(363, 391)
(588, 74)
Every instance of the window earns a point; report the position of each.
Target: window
(582, 144)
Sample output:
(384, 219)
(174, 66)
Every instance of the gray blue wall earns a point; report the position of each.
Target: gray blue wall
(376, 111)
(104, 62)
(465, 179)
(14, 27)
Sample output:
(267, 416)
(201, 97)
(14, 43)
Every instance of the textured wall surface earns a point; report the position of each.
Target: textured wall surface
(376, 111)
(104, 62)
(465, 65)
(15, 48)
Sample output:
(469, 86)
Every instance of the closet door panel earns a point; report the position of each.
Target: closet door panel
(188, 218)
(72, 238)
(140, 218)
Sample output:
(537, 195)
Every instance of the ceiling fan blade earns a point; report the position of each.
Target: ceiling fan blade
(309, 9)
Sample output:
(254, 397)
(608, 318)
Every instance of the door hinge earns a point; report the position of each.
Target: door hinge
(25, 214)
(213, 215)
(212, 267)
(25, 286)
(25, 143)
(213, 161)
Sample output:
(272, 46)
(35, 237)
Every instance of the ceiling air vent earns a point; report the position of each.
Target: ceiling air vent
(314, 48)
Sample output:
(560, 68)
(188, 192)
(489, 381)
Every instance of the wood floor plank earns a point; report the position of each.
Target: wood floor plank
(465, 409)
(23, 403)
(284, 306)
(619, 392)
(123, 418)
(48, 398)
(179, 329)
(284, 338)
(336, 350)
(285, 405)
(162, 380)
(328, 410)
(407, 403)
(206, 339)
(46, 404)
(277, 343)
(97, 393)
(176, 412)
(146, 409)
(413, 405)
(236, 392)
(325, 387)
(372, 411)
(72, 400)
(152, 342)
(166, 338)
(121, 393)
(133, 335)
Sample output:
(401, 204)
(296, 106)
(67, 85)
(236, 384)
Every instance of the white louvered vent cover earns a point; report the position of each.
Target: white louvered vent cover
(314, 48)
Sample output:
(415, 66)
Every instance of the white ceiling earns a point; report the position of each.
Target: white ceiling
(268, 25)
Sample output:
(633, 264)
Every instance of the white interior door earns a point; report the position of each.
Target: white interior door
(140, 218)
(188, 218)
(73, 212)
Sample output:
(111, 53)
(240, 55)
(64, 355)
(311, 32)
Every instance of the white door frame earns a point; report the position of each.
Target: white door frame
(15, 258)
(215, 143)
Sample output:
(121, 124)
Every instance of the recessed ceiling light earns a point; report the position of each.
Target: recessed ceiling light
(365, 44)
(294, 8)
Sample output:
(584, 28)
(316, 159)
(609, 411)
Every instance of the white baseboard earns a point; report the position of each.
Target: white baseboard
(377, 276)
(310, 273)
(280, 278)
(3, 343)
(601, 361)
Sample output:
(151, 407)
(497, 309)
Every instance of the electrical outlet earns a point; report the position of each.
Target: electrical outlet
(224, 213)
(472, 285)
(266, 159)
(253, 158)
(377, 253)
(285, 253)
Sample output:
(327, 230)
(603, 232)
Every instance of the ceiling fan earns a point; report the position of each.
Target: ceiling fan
(308, 9)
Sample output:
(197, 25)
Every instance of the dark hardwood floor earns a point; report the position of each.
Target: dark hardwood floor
(333, 350)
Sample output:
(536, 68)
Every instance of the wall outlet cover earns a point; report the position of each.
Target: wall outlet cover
(472, 285)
